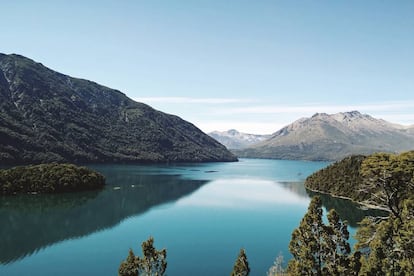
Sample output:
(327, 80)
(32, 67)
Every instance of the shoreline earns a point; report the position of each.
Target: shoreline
(369, 206)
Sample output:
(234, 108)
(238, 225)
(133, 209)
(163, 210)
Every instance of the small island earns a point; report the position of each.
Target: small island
(49, 179)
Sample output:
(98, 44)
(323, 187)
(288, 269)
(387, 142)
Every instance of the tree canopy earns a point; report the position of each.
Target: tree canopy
(241, 266)
(388, 180)
(381, 180)
(49, 178)
(152, 263)
(320, 249)
(388, 245)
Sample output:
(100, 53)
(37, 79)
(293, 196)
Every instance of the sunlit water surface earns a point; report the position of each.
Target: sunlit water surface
(201, 213)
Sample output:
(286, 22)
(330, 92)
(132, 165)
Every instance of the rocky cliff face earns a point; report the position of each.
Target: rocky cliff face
(333, 137)
(47, 116)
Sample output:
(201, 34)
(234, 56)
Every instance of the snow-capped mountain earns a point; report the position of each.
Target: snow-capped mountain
(234, 139)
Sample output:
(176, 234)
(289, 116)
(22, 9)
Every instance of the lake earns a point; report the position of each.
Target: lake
(201, 213)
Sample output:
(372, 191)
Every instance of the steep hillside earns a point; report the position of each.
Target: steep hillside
(234, 139)
(333, 137)
(47, 116)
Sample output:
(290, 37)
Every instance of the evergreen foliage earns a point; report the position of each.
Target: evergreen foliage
(153, 262)
(306, 243)
(337, 248)
(389, 245)
(388, 180)
(49, 178)
(129, 267)
(341, 178)
(241, 266)
(382, 180)
(320, 249)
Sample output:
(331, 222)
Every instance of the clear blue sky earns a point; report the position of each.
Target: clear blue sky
(251, 65)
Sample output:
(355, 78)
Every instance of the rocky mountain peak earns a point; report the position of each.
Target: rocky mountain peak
(234, 139)
(333, 136)
(349, 116)
(233, 132)
(319, 115)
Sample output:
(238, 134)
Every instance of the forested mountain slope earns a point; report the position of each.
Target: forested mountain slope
(46, 116)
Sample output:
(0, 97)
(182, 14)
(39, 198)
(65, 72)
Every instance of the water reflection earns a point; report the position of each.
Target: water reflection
(296, 187)
(347, 210)
(29, 223)
(254, 204)
(244, 194)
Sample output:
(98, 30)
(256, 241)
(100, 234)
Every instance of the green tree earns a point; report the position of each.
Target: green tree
(387, 242)
(241, 266)
(391, 246)
(337, 248)
(388, 180)
(306, 243)
(153, 262)
(320, 249)
(129, 267)
(405, 235)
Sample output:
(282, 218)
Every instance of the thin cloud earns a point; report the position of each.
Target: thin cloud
(189, 100)
(254, 127)
(313, 108)
(260, 117)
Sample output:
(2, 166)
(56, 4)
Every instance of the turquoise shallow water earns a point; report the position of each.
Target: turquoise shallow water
(202, 213)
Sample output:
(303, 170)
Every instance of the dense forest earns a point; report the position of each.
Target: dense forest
(385, 244)
(371, 180)
(342, 178)
(49, 179)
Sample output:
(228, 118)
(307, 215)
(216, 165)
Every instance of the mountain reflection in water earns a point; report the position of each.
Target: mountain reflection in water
(29, 223)
(212, 210)
(347, 210)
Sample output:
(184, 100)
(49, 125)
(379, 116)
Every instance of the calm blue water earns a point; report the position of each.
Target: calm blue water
(201, 213)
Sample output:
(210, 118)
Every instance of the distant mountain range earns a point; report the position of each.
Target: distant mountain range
(46, 116)
(333, 137)
(234, 139)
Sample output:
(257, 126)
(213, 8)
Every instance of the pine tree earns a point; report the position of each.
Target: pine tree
(337, 248)
(405, 236)
(129, 267)
(391, 246)
(306, 243)
(241, 266)
(320, 249)
(153, 262)
(388, 180)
